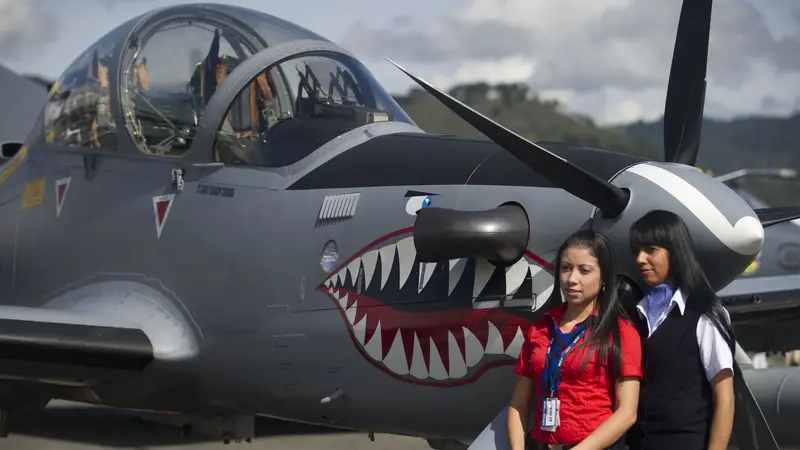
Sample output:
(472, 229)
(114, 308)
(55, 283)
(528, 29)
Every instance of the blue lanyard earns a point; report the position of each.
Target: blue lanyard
(555, 378)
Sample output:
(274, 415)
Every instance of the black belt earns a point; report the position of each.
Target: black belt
(532, 444)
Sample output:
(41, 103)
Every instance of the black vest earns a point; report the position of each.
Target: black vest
(675, 403)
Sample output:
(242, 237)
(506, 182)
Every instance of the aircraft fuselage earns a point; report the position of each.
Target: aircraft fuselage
(230, 267)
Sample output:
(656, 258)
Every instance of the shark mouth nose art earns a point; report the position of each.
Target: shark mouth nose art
(440, 324)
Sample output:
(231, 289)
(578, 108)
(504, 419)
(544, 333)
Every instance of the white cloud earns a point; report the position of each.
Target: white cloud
(22, 24)
(27, 25)
(608, 58)
(510, 69)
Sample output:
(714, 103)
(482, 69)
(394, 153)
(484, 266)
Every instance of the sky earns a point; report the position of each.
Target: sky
(608, 59)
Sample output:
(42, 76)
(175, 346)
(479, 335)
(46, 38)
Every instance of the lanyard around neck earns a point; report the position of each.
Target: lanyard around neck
(554, 373)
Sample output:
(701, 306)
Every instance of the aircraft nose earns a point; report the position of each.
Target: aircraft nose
(748, 235)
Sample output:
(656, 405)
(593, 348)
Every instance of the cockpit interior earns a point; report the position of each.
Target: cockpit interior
(149, 82)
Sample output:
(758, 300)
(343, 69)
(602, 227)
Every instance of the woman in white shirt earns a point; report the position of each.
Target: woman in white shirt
(687, 395)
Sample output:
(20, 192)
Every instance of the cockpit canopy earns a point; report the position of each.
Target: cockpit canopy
(148, 84)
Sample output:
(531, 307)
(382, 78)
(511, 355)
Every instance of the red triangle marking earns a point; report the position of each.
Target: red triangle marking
(161, 208)
(62, 188)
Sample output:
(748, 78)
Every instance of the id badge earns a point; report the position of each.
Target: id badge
(550, 414)
(558, 412)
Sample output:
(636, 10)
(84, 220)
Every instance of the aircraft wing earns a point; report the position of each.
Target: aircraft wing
(53, 344)
(764, 311)
(758, 298)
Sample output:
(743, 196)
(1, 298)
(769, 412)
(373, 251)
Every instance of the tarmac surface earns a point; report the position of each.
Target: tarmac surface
(75, 426)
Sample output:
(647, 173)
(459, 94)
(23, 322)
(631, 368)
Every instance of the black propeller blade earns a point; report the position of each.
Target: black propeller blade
(686, 92)
(776, 215)
(609, 199)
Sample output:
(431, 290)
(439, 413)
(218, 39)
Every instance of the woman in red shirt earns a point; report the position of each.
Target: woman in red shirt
(580, 366)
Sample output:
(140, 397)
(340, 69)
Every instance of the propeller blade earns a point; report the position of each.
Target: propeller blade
(686, 92)
(776, 215)
(609, 199)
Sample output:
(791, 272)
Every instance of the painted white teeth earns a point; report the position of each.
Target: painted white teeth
(456, 270)
(374, 347)
(494, 342)
(542, 298)
(397, 362)
(459, 364)
(369, 259)
(534, 269)
(516, 344)
(425, 273)
(353, 267)
(396, 358)
(342, 274)
(387, 259)
(474, 349)
(483, 272)
(360, 329)
(458, 368)
(351, 313)
(418, 367)
(407, 253)
(436, 365)
(515, 275)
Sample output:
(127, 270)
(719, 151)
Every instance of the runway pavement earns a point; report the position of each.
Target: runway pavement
(71, 426)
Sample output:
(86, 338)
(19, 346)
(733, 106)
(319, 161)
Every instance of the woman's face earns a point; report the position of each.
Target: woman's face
(579, 276)
(653, 263)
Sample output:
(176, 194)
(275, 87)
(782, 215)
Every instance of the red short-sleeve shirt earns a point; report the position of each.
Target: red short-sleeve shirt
(587, 396)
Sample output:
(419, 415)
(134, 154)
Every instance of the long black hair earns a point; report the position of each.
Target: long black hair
(604, 329)
(666, 229)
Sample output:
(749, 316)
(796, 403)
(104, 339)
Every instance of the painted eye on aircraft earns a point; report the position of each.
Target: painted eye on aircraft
(418, 202)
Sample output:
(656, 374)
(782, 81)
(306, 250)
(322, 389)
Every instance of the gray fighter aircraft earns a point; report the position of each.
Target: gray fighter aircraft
(220, 214)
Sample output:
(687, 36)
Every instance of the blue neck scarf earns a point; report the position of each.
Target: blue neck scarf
(658, 298)
(559, 342)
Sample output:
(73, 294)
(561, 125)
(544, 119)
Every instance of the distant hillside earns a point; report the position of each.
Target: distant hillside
(516, 108)
(726, 146)
(732, 145)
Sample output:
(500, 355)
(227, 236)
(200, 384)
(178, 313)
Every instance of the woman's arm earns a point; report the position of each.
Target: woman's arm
(518, 412)
(724, 405)
(717, 359)
(626, 392)
(623, 417)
